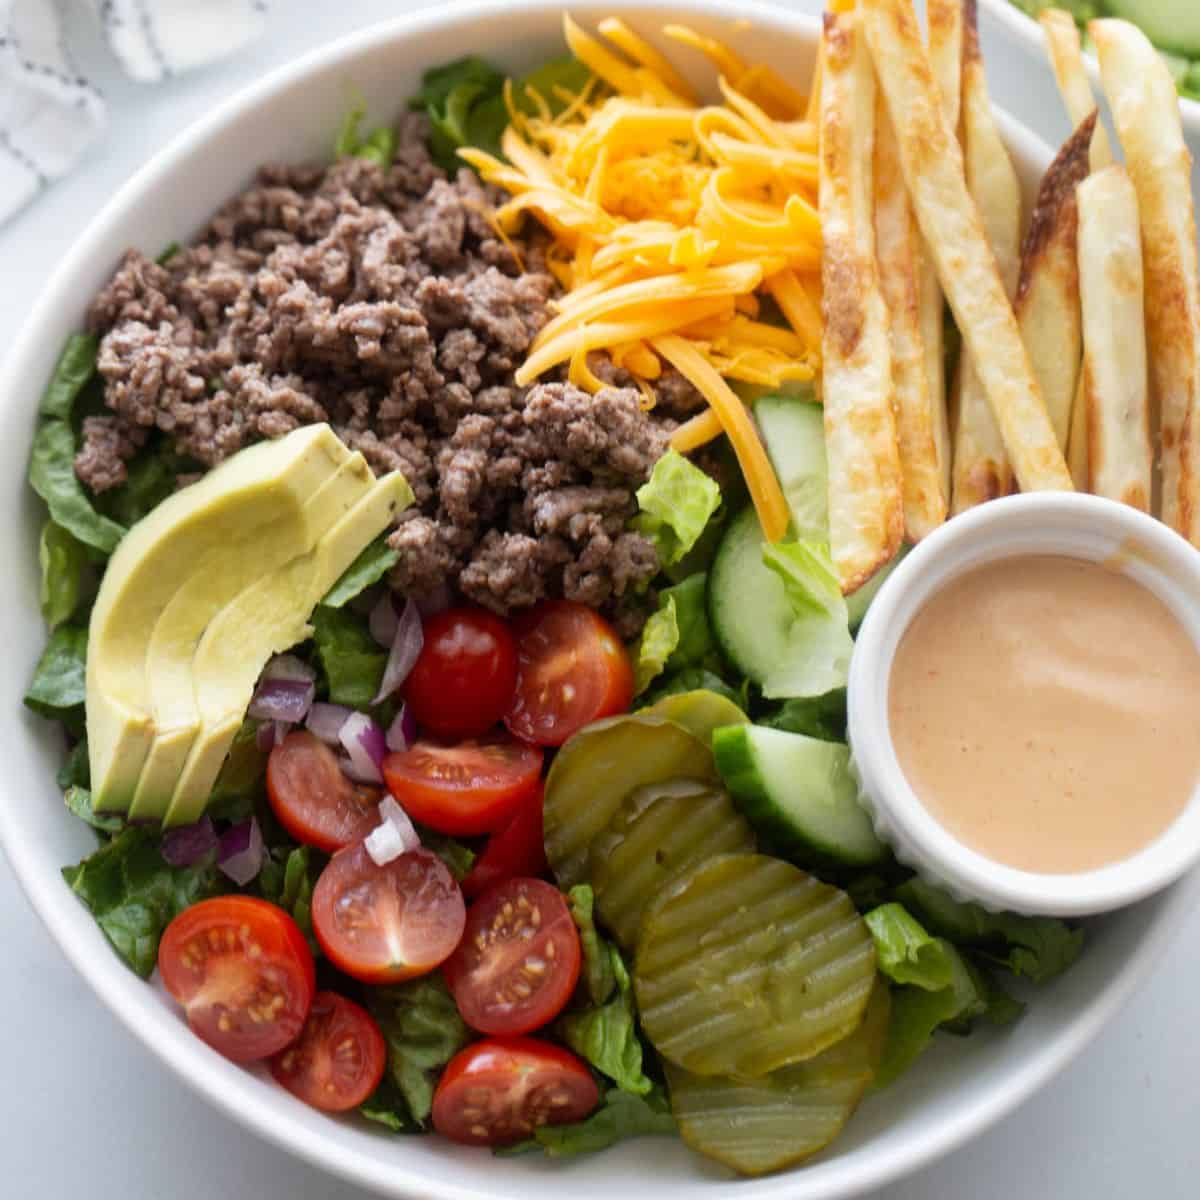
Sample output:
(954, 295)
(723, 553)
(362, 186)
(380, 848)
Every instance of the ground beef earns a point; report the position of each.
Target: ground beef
(383, 302)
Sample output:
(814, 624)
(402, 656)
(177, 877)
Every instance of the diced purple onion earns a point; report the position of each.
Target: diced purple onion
(325, 721)
(434, 601)
(187, 845)
(406, 646)
(282, 700)
(351, 770)
(393, 836)
(282, 729)
(365, 746)
(264, 737)
(402, 732)
(288, 666)
(383, 620)
(242, 850)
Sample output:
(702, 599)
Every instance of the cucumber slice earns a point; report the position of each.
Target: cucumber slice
(761, 1125)
(797, 791)
(786, 651)
(659, 833)
(699, 712)
(858, 602)
(793, 431)
(594, 772)
(746, 964)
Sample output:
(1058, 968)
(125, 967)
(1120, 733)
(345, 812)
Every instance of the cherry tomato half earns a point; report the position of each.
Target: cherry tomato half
(462, 682)
(500, 1089)
(385, 924)
(518, 961)
(338, 1059)
(571, 670)
(467, 788)
(313, 800)
(243, 972)
(517, 849)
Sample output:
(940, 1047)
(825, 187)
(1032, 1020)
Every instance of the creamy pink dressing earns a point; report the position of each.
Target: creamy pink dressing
(1046, 710)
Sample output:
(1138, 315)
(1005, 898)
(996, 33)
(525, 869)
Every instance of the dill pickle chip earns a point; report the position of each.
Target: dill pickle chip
(746, 964)
(594, 772)
(780, 1119)
(658, 833)
(699, 712)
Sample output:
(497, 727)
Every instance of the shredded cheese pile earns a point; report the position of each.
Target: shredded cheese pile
(671, 220)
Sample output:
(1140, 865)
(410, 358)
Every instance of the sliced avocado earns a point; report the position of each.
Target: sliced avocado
(222, 576)
(1170, 24)
(259, 489)
(267, 618)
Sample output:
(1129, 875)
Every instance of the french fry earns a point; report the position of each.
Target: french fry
(945, 21)
(1120, 456)
(1145, 110)
(1077, 440)
(1062, 43)
(866, 511)
(899, 255)
(951, 224)
(1047, 303)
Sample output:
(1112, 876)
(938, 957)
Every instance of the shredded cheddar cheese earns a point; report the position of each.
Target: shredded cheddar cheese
(672, 222)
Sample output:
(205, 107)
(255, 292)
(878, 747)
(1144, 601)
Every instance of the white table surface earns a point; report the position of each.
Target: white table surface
(85, 1111)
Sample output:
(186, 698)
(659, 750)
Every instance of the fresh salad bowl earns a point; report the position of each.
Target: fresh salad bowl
(955, 1091)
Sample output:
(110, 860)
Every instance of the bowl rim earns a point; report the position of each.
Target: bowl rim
(1021, 25)
(226, 1086)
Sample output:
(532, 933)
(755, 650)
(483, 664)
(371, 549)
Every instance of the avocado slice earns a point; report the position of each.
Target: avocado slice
(267, 618)
(1172, 25)
(227, 571)
(257, 492)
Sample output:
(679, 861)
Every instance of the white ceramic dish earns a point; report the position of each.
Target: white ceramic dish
(959, 1088)
(1065, 523)
(1027, 31)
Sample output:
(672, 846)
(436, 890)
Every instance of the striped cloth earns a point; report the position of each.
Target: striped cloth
(50, 114)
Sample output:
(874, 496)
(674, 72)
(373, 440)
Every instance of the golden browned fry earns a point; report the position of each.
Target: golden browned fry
(1077, 439)
(1047, 301)
(945, 21)
(898, 253)
(1120, 456)
(950, 221)
(1145, 110)
(1062, 42)
(866, 511)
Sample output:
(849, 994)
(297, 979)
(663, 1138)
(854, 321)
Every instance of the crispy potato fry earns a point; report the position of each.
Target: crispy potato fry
(1120, 456)
(981, 467)
(1047, 303)
(933, 170)
(866, 511)
(1062, 43)
(1145, 110)
(945, 21)
(899, 255)
(1077, 439)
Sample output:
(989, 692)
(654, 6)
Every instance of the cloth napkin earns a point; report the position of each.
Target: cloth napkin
(50, 113)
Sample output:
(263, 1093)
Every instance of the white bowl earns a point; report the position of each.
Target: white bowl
(1066, 523)
(958, 1089)
(1026, 30)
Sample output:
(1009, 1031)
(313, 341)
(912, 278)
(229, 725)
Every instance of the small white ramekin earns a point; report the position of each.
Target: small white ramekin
(1071, 524)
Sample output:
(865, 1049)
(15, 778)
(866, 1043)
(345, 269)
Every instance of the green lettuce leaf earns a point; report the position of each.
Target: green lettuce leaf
(1038, 948)
(655, 645)
(463, 100)
(76, 769)
(150, 480)
(377, 145)
(76, 365)
(58, 689)
(241, 782)
(134, 894)
(459, 858)
(375, 560)
(549, 82)
(821, 717)
(350, 657)
(906, 953)
(676, 503)
(386, 1106)
(621, 1115)
(63, 561)
(809, 577)
(696, 646)
(287, 878)
(52, 476)
(423, 1030)
(597, 975)
(695, 679)
(79, 802)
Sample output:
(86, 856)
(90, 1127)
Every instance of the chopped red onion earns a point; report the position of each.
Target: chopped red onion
(264, 737)
(393, 836)
(365, 746)
(282, 699)
(242, 851)
(348, 767)
(406, 646)
(402, 732)
(325, 721)
(187, 845)
(383, 620)
(282, 729)
(434, 601)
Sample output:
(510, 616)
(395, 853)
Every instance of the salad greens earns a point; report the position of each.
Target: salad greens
(676, 504)
(373, 563)
(597, 974)
(57, 689)
(377, 145)
(350, 658)
(52, 476)
(621, 1115)
(63, 562)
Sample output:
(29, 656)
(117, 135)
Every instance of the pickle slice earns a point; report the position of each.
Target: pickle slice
(594, 772)
(746, 964)
(658, 833)
(699, 712)
(761, 1125)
